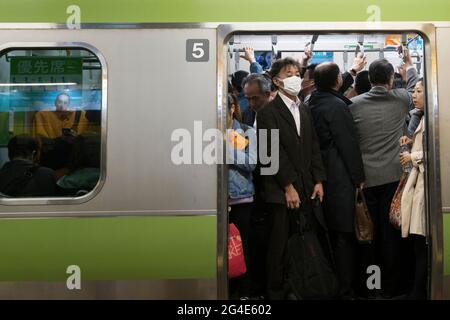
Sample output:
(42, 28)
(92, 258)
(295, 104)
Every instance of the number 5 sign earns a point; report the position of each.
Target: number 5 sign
(197, 50)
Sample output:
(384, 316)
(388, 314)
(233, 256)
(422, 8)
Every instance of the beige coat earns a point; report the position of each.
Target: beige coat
(413, 197)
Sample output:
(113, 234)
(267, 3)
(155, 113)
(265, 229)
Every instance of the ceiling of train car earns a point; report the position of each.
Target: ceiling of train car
(332, 47)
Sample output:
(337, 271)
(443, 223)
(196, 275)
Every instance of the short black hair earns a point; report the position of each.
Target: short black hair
(309, 68)
(267, 75)
(237, 78)
(278, 65)
(326, 75)
(22, 146)
(362, 83)
(380, 72)
(398, 81)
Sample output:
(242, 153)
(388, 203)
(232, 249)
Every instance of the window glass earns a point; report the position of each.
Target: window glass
(50, 122)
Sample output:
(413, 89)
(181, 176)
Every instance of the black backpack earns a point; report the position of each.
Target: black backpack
(310, 274)
(15, 187)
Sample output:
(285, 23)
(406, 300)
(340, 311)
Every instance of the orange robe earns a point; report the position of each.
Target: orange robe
(50, 123)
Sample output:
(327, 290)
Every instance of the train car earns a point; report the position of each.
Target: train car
(150, 76)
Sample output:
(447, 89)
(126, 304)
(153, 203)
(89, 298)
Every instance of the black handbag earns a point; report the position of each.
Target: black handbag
(310, 274)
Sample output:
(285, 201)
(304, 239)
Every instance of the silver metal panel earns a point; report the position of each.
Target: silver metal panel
(225, 32)
(443, 60)
(432, 173)
(198, 289)
(152, 91)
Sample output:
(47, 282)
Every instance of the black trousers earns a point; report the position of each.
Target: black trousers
(240, 215)
(258, 242)
(385, 250)
(343, 244)
(419, 289)
(275, 265)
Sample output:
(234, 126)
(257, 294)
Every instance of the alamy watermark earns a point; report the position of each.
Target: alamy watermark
(74, 19)
(206, 147)
(74, 280)
(374, 17)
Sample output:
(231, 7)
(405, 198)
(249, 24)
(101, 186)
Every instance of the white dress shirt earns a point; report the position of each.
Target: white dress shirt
(294, 108)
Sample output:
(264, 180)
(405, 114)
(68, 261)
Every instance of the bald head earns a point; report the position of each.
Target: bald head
(327, 76)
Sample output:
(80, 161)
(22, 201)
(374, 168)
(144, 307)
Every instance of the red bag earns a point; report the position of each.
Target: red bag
(236, 261)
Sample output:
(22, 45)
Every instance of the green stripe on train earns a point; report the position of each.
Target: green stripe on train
(122, 248)
(223, 11)
(447, 244)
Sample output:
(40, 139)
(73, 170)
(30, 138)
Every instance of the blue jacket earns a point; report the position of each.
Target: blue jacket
(240, 180)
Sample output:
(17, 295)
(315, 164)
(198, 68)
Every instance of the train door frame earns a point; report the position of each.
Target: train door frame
(432, 176)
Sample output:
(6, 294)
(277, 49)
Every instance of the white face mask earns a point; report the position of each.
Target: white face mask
(292, 85)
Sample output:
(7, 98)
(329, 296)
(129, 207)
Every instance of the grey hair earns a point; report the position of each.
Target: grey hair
(264, 84)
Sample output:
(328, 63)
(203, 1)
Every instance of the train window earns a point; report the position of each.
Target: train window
(50, 122)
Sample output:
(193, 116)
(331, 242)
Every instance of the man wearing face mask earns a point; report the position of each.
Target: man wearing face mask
(300, 175)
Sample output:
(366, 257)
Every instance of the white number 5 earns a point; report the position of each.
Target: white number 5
(197, 51)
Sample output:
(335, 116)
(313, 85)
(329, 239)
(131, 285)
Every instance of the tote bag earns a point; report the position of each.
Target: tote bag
(236, 260)
(363, 222)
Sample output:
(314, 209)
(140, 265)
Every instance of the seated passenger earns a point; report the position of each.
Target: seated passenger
(83, 169)
(55, 153)
(52, 124)
(22, 176)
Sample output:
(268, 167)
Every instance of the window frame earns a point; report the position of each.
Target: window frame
(30, 201)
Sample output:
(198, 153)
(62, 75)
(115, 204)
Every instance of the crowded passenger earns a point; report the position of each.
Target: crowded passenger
(379, 117)
(22, 176)
(362, 83)
(61, 121)
(248, 114)
(341, 155)
(257, 90)
(241, 190)
(308, 85)
(334, 139)
(236, 82)
(249, 55)
(413, 216)
(300, 175)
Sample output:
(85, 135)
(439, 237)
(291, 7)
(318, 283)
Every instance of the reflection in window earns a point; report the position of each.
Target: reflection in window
(50, 122)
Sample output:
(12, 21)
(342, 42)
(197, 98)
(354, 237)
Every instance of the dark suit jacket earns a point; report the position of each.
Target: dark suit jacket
(341, 155)
(300, 162)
